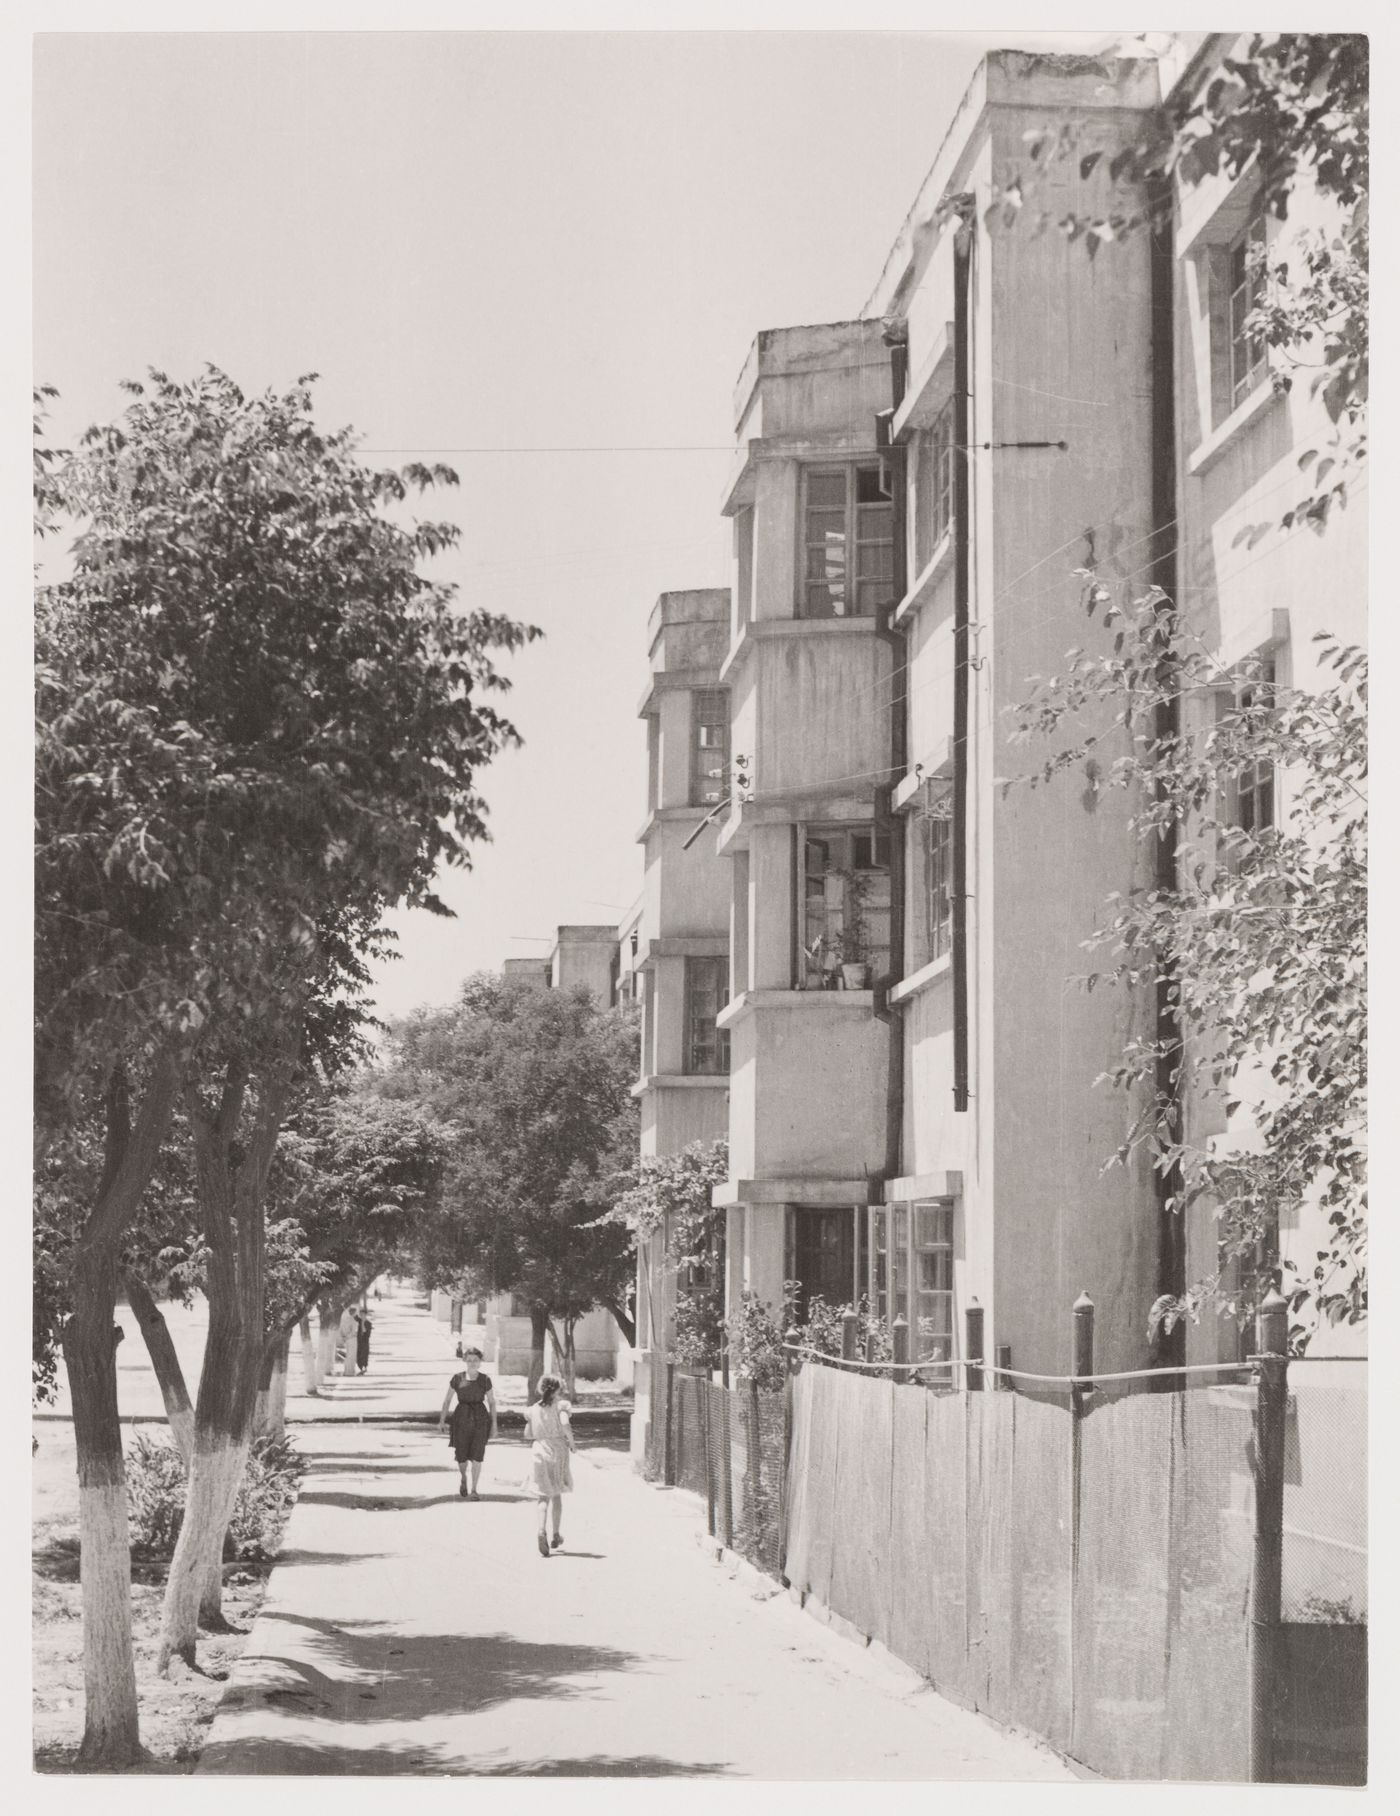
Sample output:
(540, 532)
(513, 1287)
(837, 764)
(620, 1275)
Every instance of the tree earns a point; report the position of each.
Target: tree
(1258, 936)
(670, 1195)
(531, 1090)
(258, 725)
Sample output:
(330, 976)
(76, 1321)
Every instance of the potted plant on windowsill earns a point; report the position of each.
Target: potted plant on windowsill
(850, 943)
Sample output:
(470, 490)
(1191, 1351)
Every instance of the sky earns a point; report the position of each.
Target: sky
(540, 257)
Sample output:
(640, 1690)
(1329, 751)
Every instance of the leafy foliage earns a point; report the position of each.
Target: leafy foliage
(672, 1192)
(531, 1092)
(1263, 939)
(156, 1484)
(255, 715)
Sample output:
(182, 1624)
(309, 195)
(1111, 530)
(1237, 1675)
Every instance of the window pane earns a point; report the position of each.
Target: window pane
(826, 491)
(706, 991)
(868, 488)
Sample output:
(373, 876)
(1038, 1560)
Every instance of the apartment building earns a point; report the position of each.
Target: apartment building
(679, 944)
(916, 496)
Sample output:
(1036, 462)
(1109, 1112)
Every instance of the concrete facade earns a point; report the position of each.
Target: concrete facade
(681, 959)
(930, 1133)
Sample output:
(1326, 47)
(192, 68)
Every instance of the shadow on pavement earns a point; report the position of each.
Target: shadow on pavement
(292, 1758)
(327, 1557)
(377, 1503)
(383, 1675)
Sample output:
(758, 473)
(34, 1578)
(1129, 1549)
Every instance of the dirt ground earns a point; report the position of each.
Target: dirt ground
(174, 1714)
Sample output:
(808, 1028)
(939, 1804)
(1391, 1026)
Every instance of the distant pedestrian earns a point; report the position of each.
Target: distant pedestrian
(473, 1420)
(362, 1342)
(550, 1426)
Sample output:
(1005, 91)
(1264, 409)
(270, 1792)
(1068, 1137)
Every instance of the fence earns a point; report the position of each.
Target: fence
(1166, 1585)
(727, 1445)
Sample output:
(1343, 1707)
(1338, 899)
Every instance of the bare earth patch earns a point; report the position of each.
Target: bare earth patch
(175, 1712)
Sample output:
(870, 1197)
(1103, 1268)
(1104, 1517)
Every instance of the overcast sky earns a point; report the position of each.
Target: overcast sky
(490, 246)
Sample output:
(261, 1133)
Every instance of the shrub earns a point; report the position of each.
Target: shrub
(155, 1493)
(269, 1492)
(155, 1482)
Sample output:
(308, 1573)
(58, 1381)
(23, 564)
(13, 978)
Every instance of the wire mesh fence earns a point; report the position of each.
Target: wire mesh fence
(726, 1445)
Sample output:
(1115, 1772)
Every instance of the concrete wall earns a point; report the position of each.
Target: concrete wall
(1050, 319)
(583, 957)
(807, 1086)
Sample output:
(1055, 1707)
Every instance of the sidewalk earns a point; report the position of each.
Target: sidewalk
(407, 1631)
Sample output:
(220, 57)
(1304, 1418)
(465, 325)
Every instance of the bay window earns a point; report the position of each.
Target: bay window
(847, 541)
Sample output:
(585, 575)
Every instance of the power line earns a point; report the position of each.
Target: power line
(622, 448)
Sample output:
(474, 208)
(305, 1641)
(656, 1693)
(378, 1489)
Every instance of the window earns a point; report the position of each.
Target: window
(709, 746)
(879, 1287)
(1248, 358)
(706, 991)
(933, 486)
(931, 1325)
(848, 542)
(1250, 805)
(911, 1274)
(845, 904)
(933, 878)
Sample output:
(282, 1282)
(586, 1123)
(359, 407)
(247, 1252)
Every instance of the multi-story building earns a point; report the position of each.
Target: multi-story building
(913, 1111)
(679, 942)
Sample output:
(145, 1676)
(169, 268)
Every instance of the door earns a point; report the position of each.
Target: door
(823, 1255)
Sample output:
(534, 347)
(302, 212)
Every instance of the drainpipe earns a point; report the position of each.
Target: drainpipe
(886, 820)
(962, 542)
(1171, 1225)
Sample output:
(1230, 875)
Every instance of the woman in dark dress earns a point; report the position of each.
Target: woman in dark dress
(473, 1420)
(362, 1342)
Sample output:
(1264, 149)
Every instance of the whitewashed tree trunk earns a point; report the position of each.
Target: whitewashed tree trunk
(310, 1359)
(214, 1481)
(329, 1325)
(277, 1406)
(165, 1364)
(111, 1732)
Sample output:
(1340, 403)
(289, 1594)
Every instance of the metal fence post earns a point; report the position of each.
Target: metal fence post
(705, 1396)
(849, 1322)
(669, 1453)
(791, 1363)
(899, 1336)
(1082, 1366)
(973, 1349)
(1266, 1582)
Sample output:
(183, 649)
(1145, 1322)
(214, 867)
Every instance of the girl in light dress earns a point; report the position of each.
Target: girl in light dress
(551, 1433)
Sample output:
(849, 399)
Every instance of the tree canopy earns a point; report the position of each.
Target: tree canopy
(531, 1090)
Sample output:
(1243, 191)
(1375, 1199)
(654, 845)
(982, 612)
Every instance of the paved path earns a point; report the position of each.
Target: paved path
(407, 1631)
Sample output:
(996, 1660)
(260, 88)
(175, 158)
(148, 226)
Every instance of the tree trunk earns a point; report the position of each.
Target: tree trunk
(231, 1199)
(170, 1377)
(539, 1324)
(570, 1324)
(625, 1324)
(277, 1421)
(310, 1359)
(269, 1413)
(328, 1323)
(111, 1732)
(263, 1397)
